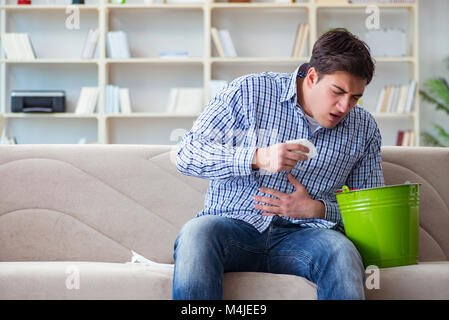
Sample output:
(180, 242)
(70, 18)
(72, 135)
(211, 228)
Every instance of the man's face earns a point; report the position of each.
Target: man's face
(331, 98)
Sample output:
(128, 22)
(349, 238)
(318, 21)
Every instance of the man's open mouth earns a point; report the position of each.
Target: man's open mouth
(335, 117)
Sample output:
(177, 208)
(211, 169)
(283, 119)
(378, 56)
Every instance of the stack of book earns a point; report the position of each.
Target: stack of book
(405, 138)
(186, 100)
(17, 46)
(396, 98)
(90, 44)
(117, 45)
(87, 100)
(117, 100)
(223, 43)
(6, 140)
(302, 33)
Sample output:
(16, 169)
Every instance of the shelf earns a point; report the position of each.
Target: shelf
(167, 6)
(50, 115)
(55, 61)
(267, 5)
(263, 34)
(157, 60)
(11, 7)
(364, 5)
(141, 115)
(259, 60)
(393, 115)
(396, 59)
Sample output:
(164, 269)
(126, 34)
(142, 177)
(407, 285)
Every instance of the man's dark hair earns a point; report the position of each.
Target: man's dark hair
(340, 50)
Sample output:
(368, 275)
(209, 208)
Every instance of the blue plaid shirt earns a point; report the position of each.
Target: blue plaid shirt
(260, 110)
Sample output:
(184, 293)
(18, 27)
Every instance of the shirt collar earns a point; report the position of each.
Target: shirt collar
(290, 90)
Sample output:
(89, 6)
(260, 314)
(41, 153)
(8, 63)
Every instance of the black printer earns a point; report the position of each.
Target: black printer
(37, 101)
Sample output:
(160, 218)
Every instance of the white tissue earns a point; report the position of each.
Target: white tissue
(137, 258)
(312, 150)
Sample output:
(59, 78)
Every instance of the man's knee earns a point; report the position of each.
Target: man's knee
(201, 232)
(341, 251)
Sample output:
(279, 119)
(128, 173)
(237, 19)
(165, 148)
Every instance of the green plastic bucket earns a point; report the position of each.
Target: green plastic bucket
(382, 223)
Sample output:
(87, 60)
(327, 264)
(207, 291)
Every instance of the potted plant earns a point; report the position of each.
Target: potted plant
(437, 93)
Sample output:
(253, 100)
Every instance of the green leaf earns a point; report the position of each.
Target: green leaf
(430, 140)
(426, 97)
(442, 133)
(439, 90)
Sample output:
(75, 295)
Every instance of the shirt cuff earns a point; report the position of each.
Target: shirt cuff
(332, 212)
(243, 159)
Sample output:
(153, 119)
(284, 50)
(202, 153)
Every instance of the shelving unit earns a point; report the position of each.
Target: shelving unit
(263, 33)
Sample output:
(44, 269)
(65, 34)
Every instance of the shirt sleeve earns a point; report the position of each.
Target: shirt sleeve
(213, 148)
(367, 173)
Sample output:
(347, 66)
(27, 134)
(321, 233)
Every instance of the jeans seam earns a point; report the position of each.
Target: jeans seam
(266, 249)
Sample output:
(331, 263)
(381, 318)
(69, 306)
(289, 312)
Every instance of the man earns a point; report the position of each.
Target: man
(268, 208)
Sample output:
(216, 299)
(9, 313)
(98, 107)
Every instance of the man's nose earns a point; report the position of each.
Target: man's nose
(344, 105)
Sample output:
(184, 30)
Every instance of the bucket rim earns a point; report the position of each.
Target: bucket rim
(340, 191)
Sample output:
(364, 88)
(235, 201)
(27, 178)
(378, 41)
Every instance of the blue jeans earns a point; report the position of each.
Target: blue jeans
(210, 245)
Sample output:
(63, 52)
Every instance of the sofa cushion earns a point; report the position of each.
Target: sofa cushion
(98, 280)
(426, 280)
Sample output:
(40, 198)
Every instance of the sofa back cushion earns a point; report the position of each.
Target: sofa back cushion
(429, 167)
(99, 202)
(93, 202)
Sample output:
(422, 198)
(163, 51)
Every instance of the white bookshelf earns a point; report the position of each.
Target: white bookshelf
(262, 31)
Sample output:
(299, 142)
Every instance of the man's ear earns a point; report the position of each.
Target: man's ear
(312, 77)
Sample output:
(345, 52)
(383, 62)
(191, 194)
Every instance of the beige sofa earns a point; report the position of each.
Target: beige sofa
(70, 216)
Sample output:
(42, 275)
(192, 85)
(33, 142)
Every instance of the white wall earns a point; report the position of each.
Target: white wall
(434, 48)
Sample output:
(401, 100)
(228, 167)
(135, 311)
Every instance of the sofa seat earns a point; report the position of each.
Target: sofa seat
(101, 280)
(425, 280)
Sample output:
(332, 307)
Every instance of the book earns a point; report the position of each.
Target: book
(125, 101)
(112, 99)
(380, 100)
(410, 97)
(26, 46)
(185, 100)
(17, 46)
(405, 138)
(403, 92)
(395, 99)
(386, 98)
(296, 44)
(400, 138)
(87, 100)
(90, 44)
(303, 40)
(117, 45)
(228, 45)
(217, 42)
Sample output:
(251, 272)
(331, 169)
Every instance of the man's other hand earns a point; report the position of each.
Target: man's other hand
(279, 157)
